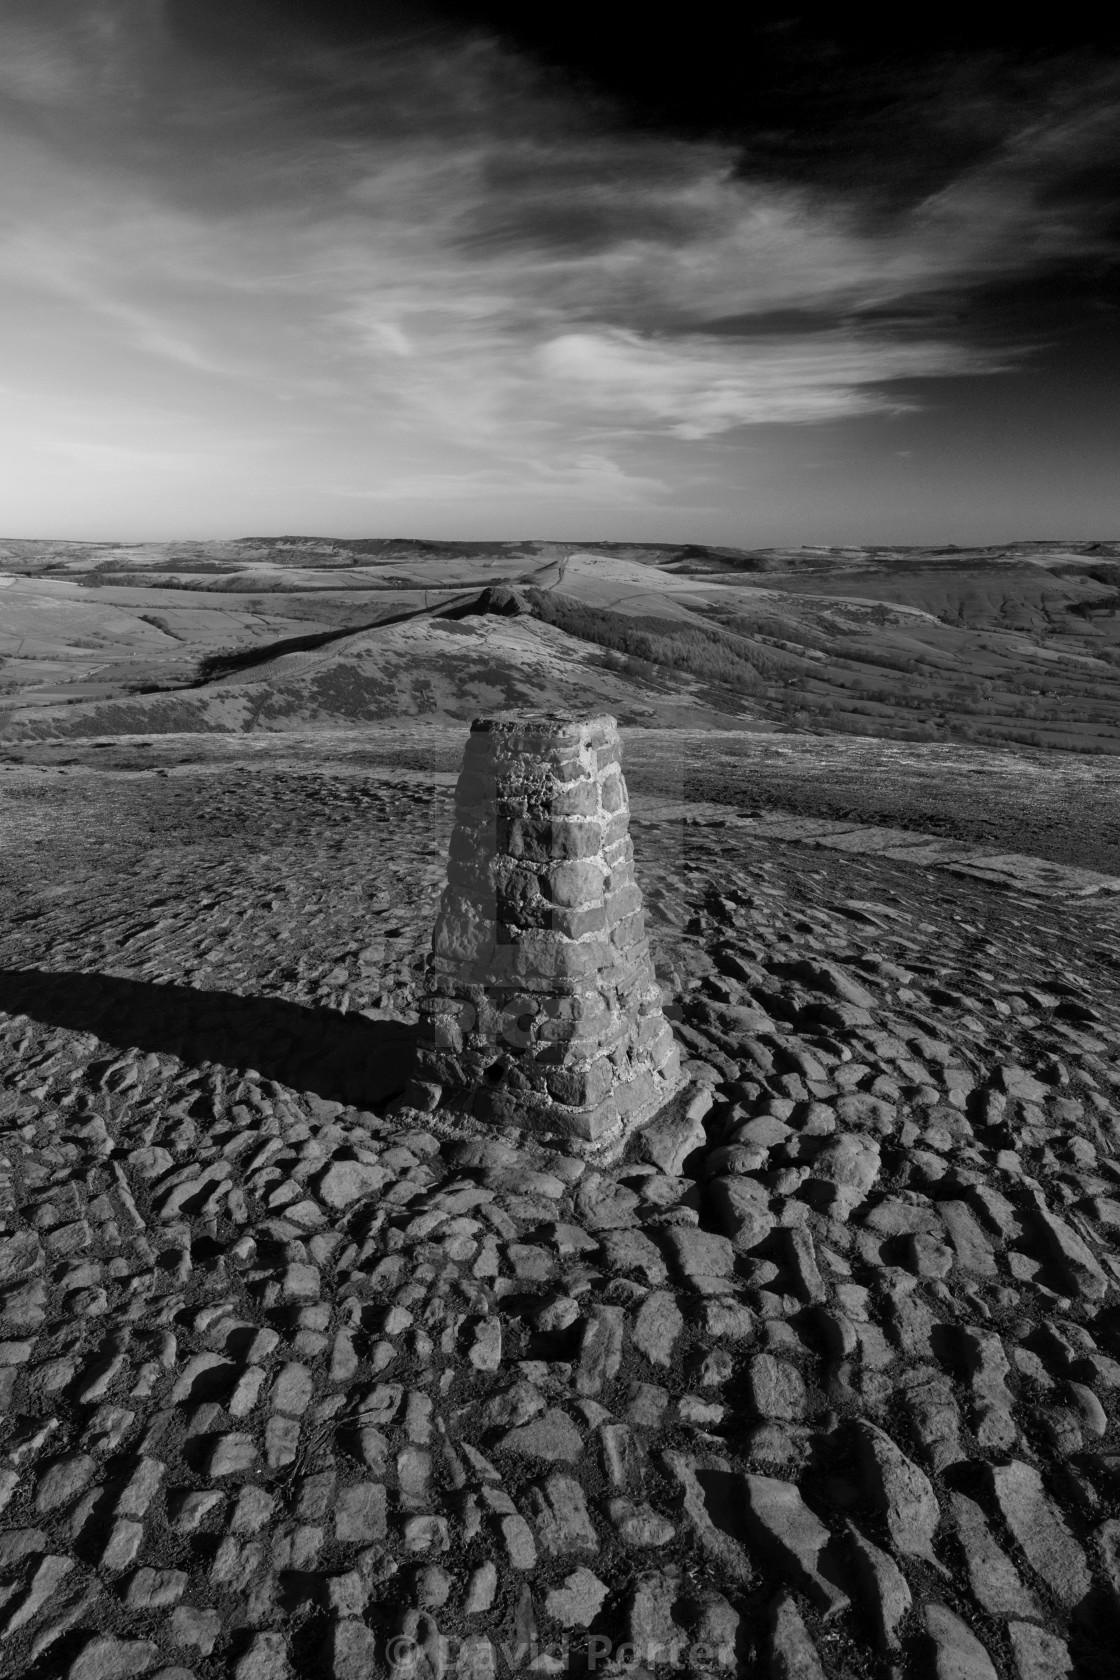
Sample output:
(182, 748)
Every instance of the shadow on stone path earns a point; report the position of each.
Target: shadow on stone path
(289, 1389)
(339, 1057)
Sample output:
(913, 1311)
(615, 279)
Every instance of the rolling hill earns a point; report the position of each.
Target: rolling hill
(1020, 644)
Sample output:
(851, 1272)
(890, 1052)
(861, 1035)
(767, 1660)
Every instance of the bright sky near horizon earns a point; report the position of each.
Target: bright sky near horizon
(388, 271)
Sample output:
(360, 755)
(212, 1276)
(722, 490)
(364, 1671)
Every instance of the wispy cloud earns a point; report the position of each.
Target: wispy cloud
(696, 389)
(422, 263)
(594, 479)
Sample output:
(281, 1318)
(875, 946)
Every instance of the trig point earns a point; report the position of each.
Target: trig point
(542, 1010)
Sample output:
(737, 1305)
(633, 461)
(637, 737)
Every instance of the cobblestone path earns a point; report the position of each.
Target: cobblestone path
(825, 1385)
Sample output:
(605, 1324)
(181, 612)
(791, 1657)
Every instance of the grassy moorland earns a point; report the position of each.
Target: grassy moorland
(1018, 646)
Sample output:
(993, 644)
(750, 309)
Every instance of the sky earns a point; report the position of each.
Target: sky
(501, 271)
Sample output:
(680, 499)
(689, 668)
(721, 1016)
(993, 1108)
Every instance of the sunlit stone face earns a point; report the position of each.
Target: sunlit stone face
(542, 1010)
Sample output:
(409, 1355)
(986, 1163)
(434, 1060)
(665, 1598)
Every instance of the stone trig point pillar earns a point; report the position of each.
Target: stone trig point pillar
(542, 1010)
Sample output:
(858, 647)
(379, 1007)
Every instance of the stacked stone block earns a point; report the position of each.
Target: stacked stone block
(542, 1009)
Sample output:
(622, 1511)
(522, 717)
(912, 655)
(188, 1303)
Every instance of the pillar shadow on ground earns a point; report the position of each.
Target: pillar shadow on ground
(342, 1058)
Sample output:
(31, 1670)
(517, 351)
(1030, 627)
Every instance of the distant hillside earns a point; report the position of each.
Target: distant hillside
(1019, 643)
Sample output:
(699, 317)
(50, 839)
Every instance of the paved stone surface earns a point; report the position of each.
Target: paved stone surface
(284, 1380)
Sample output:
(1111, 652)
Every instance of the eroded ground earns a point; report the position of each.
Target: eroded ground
(831, 1388)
